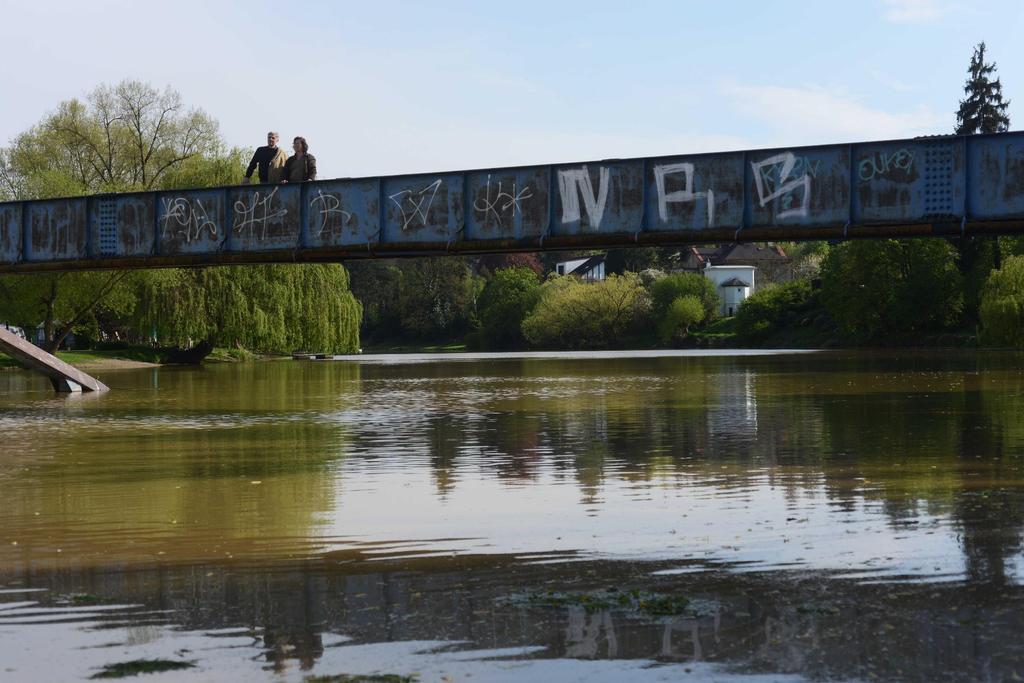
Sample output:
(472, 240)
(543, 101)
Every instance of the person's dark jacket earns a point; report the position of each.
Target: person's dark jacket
(306, 170)
(261, 159)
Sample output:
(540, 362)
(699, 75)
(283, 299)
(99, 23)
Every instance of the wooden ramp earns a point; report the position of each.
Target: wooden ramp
(63, 376)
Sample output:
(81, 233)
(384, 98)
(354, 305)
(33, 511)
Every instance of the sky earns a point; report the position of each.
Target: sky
(387, 87)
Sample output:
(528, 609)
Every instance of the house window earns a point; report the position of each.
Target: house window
(561, 269)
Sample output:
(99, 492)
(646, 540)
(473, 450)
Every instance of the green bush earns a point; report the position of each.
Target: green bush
(682, 314)
(666, 290)
(768, 310)
(504, 303)
(876, 288)
(577, 315)
(1002, 304)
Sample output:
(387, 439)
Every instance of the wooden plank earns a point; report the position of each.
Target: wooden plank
(34, 358)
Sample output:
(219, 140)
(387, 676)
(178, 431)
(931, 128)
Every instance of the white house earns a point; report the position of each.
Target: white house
(733, 283)
(588, 269)
(16, 331)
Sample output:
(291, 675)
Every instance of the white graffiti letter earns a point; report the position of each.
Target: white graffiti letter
(257, 214)
(497, 204)
(415, 205)
(331, 213)
(771, 186)
(680, 196)
(187, 219)
(576, 182)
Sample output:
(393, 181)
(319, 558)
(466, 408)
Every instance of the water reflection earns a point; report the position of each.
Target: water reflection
(815, 494)
(302, 619)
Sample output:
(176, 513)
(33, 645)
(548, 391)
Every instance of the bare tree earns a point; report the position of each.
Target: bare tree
(123, 137)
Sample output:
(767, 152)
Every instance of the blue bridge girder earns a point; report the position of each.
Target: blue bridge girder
(946, 185)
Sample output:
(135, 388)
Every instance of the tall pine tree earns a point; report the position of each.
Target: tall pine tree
(983, 110)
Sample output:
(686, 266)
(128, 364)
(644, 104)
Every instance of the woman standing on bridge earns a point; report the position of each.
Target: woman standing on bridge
(301, 166)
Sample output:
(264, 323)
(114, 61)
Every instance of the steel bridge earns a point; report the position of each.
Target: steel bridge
(949, 185)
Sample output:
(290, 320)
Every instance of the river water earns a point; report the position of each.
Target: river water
(740, 516)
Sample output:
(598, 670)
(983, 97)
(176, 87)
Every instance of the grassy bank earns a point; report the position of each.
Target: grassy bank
(133, 356)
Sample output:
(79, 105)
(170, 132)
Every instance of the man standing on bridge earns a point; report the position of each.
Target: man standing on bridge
(269, 160)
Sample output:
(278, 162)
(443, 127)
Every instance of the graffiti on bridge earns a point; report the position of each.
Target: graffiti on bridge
(778, 177)
(498, 202)
(257, 213)
(881, 164)
(414, 205)
(187, 219)
(332, 217)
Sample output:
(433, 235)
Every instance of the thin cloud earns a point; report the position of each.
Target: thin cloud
(913, 11)
(813, 115)
(894, 84)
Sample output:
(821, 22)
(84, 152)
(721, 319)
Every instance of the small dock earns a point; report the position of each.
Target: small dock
(301, 355)
(65, 378)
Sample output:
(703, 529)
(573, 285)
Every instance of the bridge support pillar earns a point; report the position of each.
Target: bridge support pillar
(66, 386)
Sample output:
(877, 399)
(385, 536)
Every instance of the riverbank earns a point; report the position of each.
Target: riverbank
(720, 336)
(133, 357)
(99, 360)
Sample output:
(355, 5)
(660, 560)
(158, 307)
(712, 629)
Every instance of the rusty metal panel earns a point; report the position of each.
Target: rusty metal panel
(123, 225)
(58, 230)
(605, 197)
(908, 181)
(695, 192)
(266, 217)
(343, 212)
(10, 233)
(508, 203)
(426, 208)
(808, 186)
(191, 222)
(996, 182)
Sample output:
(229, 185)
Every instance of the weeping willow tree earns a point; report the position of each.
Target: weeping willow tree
(1002, 304)
(271, 309)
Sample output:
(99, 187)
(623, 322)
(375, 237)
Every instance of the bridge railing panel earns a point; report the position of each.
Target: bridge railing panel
(599, 198)
(423, 209)
(693, 193)
(342, 213)
(192, 222)
(11, 234)
(58, 230)
(909, 181)
(996, 184)
(798, 187)
(265, 218)
(122, 226)
(508, 204)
